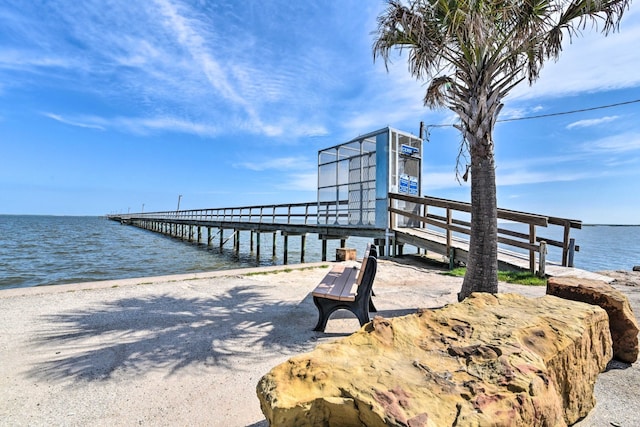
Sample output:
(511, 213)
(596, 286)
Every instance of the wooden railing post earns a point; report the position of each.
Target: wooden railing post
(532, 253)
(543, 259)
(565, 244)
(449, 222)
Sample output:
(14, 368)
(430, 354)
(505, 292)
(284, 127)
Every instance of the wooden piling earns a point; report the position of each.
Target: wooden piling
(258, 247)
(286, 249)
(324, 250)
(273, 254)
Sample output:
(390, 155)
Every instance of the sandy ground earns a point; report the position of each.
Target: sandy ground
(190, 349)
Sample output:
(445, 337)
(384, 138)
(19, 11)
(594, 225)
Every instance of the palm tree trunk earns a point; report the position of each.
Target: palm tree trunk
(482, 265)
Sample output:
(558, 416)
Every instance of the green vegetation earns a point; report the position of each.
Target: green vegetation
(516, 277)
(284, 270)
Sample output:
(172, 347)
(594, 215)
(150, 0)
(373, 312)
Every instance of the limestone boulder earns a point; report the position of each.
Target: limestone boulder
(622, 322)
(492, 360)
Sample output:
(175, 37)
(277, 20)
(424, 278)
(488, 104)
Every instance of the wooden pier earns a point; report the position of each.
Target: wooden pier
(290, 220)
(427, 223)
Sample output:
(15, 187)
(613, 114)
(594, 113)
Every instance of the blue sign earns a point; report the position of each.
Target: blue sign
(413, 186)
(404, 184)
(408, 150)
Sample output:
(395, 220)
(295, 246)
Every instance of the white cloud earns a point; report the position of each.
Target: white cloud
(282, 163)
(301, 182)
(592, 122)
(528, 177)
(146, 125)
(591, 63)
(620, 143)
(72, 122)
(440, 180)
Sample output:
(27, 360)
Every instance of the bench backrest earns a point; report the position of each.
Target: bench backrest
(370, 251)
(363, 266)
(367, 274)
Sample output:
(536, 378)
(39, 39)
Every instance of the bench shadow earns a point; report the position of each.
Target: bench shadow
(163, 332)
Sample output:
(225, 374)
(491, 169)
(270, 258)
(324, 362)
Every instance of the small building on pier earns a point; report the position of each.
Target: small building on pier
(356, 177)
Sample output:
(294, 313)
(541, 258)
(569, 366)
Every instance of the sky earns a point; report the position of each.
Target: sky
(109, 106)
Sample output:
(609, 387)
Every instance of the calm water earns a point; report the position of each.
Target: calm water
(48, 250)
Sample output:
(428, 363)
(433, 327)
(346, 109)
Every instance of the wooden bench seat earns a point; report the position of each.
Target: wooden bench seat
(346, 288)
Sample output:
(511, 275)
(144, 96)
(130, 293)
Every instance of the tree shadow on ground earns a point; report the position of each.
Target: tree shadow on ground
(164, 332)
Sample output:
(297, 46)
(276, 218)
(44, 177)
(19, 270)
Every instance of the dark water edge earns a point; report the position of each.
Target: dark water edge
(51, 250)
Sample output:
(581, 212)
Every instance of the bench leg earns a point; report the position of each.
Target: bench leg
(372, 308)
(362, 315)
(326, 307)
(323, 316)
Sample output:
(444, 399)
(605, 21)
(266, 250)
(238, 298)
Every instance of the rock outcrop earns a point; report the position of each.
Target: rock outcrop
(622, 322)
(498, 360)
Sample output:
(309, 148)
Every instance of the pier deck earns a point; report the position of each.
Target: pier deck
(426, 223)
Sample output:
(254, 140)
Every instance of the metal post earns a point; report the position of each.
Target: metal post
(572, 248)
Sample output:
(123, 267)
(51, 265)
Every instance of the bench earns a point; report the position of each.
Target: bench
(347, 288)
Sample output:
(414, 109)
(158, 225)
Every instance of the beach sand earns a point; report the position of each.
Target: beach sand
(190, 349)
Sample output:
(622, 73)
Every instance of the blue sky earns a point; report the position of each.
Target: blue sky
(109, 105)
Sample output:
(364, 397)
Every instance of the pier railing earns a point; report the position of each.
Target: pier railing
(452, 217)
(314, 213)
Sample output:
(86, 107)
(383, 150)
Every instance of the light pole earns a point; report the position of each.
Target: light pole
(142, 208)
(179, 197)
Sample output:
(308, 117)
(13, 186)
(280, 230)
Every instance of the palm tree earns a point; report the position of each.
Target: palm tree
(473, 52)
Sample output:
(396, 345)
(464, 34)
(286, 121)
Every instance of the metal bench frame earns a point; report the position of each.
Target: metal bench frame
(350, 293)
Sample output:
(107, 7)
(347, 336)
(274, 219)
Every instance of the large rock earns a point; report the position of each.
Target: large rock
(498, 360)
(622, 322)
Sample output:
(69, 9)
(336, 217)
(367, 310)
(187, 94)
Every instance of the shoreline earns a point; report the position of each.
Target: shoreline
(190, 349)
(150, 280)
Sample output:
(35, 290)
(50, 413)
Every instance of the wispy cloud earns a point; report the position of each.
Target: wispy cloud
(281, 163)
(138, 125)
(530, 177)
(614, 144)
(75, 123)
(591, 63)
(301, 182)
(592, 122)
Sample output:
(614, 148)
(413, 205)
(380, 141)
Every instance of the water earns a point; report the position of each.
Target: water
(601, 247)
(50, 250)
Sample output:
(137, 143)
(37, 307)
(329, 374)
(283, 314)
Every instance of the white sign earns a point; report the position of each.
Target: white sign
(413, 186)
(404, 184)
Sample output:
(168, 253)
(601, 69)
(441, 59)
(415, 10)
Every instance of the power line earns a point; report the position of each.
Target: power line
(540, 116)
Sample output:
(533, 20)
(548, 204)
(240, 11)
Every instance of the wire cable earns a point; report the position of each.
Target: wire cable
(540, 116)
